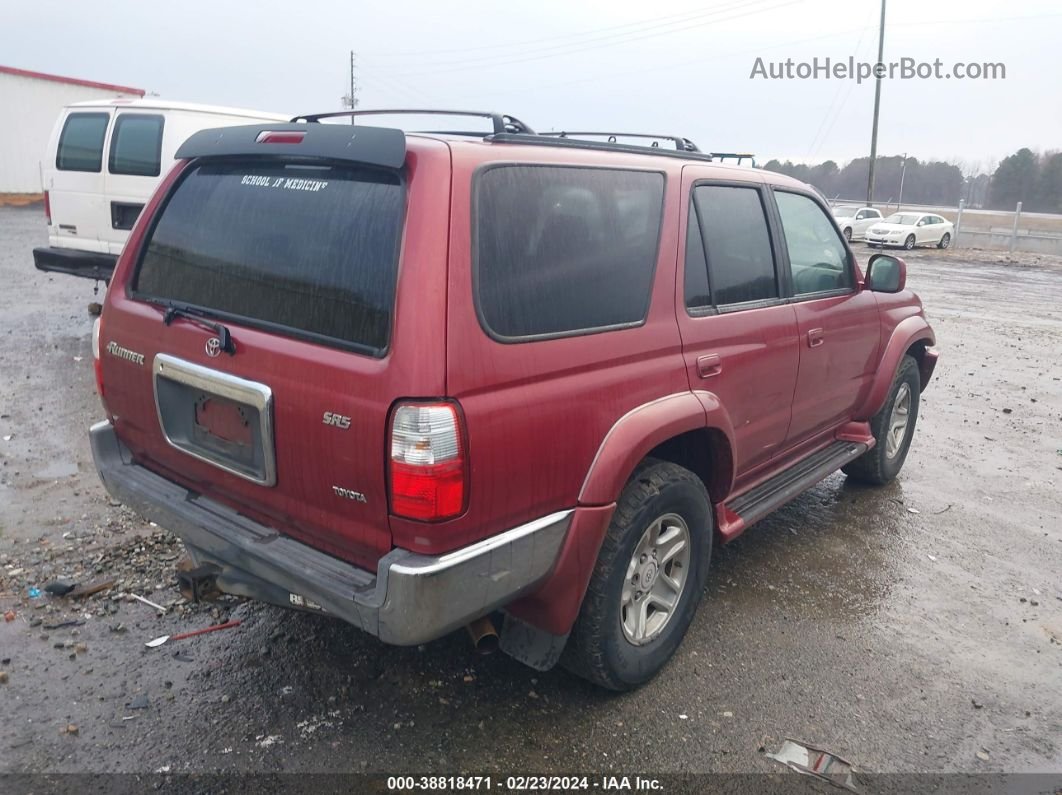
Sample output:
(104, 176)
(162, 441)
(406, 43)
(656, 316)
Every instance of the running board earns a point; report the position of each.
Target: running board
(780, 489)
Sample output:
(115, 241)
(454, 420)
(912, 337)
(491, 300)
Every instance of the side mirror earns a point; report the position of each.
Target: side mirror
(886, 274)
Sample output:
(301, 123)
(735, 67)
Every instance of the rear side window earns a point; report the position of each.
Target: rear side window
(736, 244)
(311, 250)
(564, 250)
(136, 145)
(81, 142)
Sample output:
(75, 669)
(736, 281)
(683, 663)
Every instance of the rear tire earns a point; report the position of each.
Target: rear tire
(944, 241)
(605, 645)
(909, 243)
(848, 234)
(893, 427)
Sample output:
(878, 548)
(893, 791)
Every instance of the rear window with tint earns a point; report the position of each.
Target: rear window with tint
(564, 250)
(313, 250)
(136, 145)
(81, 142)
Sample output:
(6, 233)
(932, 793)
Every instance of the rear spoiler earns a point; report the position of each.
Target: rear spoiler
(375, 146)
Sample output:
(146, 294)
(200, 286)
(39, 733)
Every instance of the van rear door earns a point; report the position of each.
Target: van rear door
(293, 248)
(133, 167)
(75, 180)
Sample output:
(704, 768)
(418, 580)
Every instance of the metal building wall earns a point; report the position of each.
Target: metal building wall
(29, 107)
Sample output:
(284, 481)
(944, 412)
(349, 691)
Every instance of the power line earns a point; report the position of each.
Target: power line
(480, 62)
(674, 18)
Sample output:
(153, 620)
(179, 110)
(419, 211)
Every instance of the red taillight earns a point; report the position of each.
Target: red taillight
(428, 466)
(48, 208)
(279, 137)
(97, 364)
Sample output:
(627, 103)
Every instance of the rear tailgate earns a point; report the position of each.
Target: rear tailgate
(296, 252)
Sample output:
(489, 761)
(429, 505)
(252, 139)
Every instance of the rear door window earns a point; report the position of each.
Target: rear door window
(307, 250)
(136, 145)
(81, 142)
(562, 250)
(736, 243)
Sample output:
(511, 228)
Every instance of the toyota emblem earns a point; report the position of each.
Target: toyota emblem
(213, 347)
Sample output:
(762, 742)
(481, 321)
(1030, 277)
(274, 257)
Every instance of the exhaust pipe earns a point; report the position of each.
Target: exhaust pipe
(484, 635)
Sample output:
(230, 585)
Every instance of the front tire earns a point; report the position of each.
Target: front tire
(848, 234)
(893, 427)
(945, 241)
(648, 580)
(909, 243)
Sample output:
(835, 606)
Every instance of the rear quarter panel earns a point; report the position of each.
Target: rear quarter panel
(537, 412)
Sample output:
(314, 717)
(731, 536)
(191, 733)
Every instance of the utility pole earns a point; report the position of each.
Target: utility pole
(351, 99)
(903, 171)
(877, 104)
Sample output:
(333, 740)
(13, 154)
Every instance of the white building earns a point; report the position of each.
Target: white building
(31, 102)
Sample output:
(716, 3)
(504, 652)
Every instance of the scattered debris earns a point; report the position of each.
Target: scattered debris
(976, 704)
(140, 702)
(9, 437)
(60, 587)
(684, 717)
(3, 677)
(9, 616)
(913, 510)
(34, 592)
(982, 755)
(264, 741)
(811, 761)
(82, 591)
(151, 644)
(932, 557)
(148, 602)
(1008, 411)
(70, 728)
(938, 513)
(74, 622)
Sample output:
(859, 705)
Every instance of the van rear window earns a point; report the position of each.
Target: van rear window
(81, 142)
(136, 145)
(312, 250)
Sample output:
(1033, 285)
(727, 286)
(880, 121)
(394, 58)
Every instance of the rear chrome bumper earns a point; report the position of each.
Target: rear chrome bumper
(411, 598)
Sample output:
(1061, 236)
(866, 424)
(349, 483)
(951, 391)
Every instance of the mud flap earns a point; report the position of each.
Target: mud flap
(533, 647)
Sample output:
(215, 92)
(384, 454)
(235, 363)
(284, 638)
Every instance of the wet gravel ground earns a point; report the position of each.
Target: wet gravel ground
(914, 628)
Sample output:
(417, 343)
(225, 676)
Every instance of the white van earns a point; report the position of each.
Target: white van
(104, 160)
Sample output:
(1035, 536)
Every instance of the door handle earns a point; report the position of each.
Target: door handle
(709, 365)
(815, 338)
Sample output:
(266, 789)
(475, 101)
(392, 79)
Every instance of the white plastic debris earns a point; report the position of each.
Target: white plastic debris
(811, 761)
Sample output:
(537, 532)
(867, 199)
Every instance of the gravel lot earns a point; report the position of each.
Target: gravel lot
(911, 629)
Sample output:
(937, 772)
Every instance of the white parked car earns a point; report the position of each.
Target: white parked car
(855, 221)
(104, 160)
(910, 230)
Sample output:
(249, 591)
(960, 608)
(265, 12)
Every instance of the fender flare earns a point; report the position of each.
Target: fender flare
(907, 332)
(641, 429)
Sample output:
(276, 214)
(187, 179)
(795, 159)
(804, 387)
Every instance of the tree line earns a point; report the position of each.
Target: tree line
(1025, 176)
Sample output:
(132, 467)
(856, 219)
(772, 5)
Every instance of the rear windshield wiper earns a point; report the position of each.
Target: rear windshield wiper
(224, 337)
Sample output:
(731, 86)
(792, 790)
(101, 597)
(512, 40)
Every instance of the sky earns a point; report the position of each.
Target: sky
(680, 68)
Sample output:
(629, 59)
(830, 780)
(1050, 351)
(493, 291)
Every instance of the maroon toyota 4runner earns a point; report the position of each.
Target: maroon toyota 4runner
(418, 381)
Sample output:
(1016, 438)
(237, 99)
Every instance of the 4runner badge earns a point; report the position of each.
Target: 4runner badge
(116, 350)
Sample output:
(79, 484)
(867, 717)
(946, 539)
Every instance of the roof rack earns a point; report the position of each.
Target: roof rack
(503, 123)
(579, 143)
(738, 156)
(681, 144)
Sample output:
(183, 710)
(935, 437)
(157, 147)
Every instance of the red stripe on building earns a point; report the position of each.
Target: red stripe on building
(10, 70)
